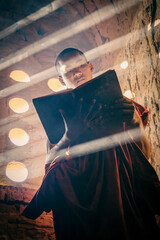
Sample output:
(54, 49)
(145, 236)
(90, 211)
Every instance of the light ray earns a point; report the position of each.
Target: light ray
(15, 117)
(74, 28)
(115, 44)
(32, 116)
(31, 150)
(23, 122)
(97, 145)
(33, 17)
(91, 55)
(36, 78)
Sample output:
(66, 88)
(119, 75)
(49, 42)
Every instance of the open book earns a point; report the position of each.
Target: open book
(104, 88)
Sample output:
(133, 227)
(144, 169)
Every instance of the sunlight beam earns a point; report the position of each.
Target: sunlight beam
(74, 28)
(18, 153)
(32, 115)
(36, 78)
(33, 17)
(91, 55)
(97, 145)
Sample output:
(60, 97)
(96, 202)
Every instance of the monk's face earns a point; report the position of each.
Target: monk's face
(75, 71)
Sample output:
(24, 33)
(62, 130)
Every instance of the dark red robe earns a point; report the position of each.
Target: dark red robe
(109, 194)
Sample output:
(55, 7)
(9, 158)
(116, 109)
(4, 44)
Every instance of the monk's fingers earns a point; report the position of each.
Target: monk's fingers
(93, 111)
(122, 103)
(92, 123)
(122, 106)
(123, 100)
(95, 114)
(79, 107)
(91, 108)
(125, 115)
(99, 121)
(121, 112)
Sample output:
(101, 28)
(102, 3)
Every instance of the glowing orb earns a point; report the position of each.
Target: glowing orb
(16, 171)
(129, 94)
(18, 136)
(18, 105)
(55, 85)
(19, 76)
(124, 65)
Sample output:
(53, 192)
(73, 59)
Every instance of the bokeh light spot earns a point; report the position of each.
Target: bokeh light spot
(19, 76)
(129, 94)
(124, 65)
(18, 105)
(18, 136)
(16, 171)
(55, 85)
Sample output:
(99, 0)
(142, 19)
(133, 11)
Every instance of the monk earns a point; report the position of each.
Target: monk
(106, 193)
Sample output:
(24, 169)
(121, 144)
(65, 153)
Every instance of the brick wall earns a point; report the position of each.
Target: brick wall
(13, 226)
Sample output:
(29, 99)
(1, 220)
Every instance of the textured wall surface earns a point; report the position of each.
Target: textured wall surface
(14, 226)
(143, 75)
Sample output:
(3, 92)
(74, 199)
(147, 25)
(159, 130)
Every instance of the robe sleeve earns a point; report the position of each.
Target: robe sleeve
(143, 113)
(43, 200)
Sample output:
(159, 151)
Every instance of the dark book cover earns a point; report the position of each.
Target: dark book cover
(104, 88)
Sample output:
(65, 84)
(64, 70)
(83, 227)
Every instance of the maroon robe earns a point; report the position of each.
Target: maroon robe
(109, 194)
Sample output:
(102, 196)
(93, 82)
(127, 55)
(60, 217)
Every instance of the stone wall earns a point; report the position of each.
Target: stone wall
(143, 73)
(13, 226)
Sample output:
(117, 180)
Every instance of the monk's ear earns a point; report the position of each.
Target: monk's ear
(61, 80)
(91, 66)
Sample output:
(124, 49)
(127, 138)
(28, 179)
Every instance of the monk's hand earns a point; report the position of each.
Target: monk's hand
(122, 110)
(82, 121)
